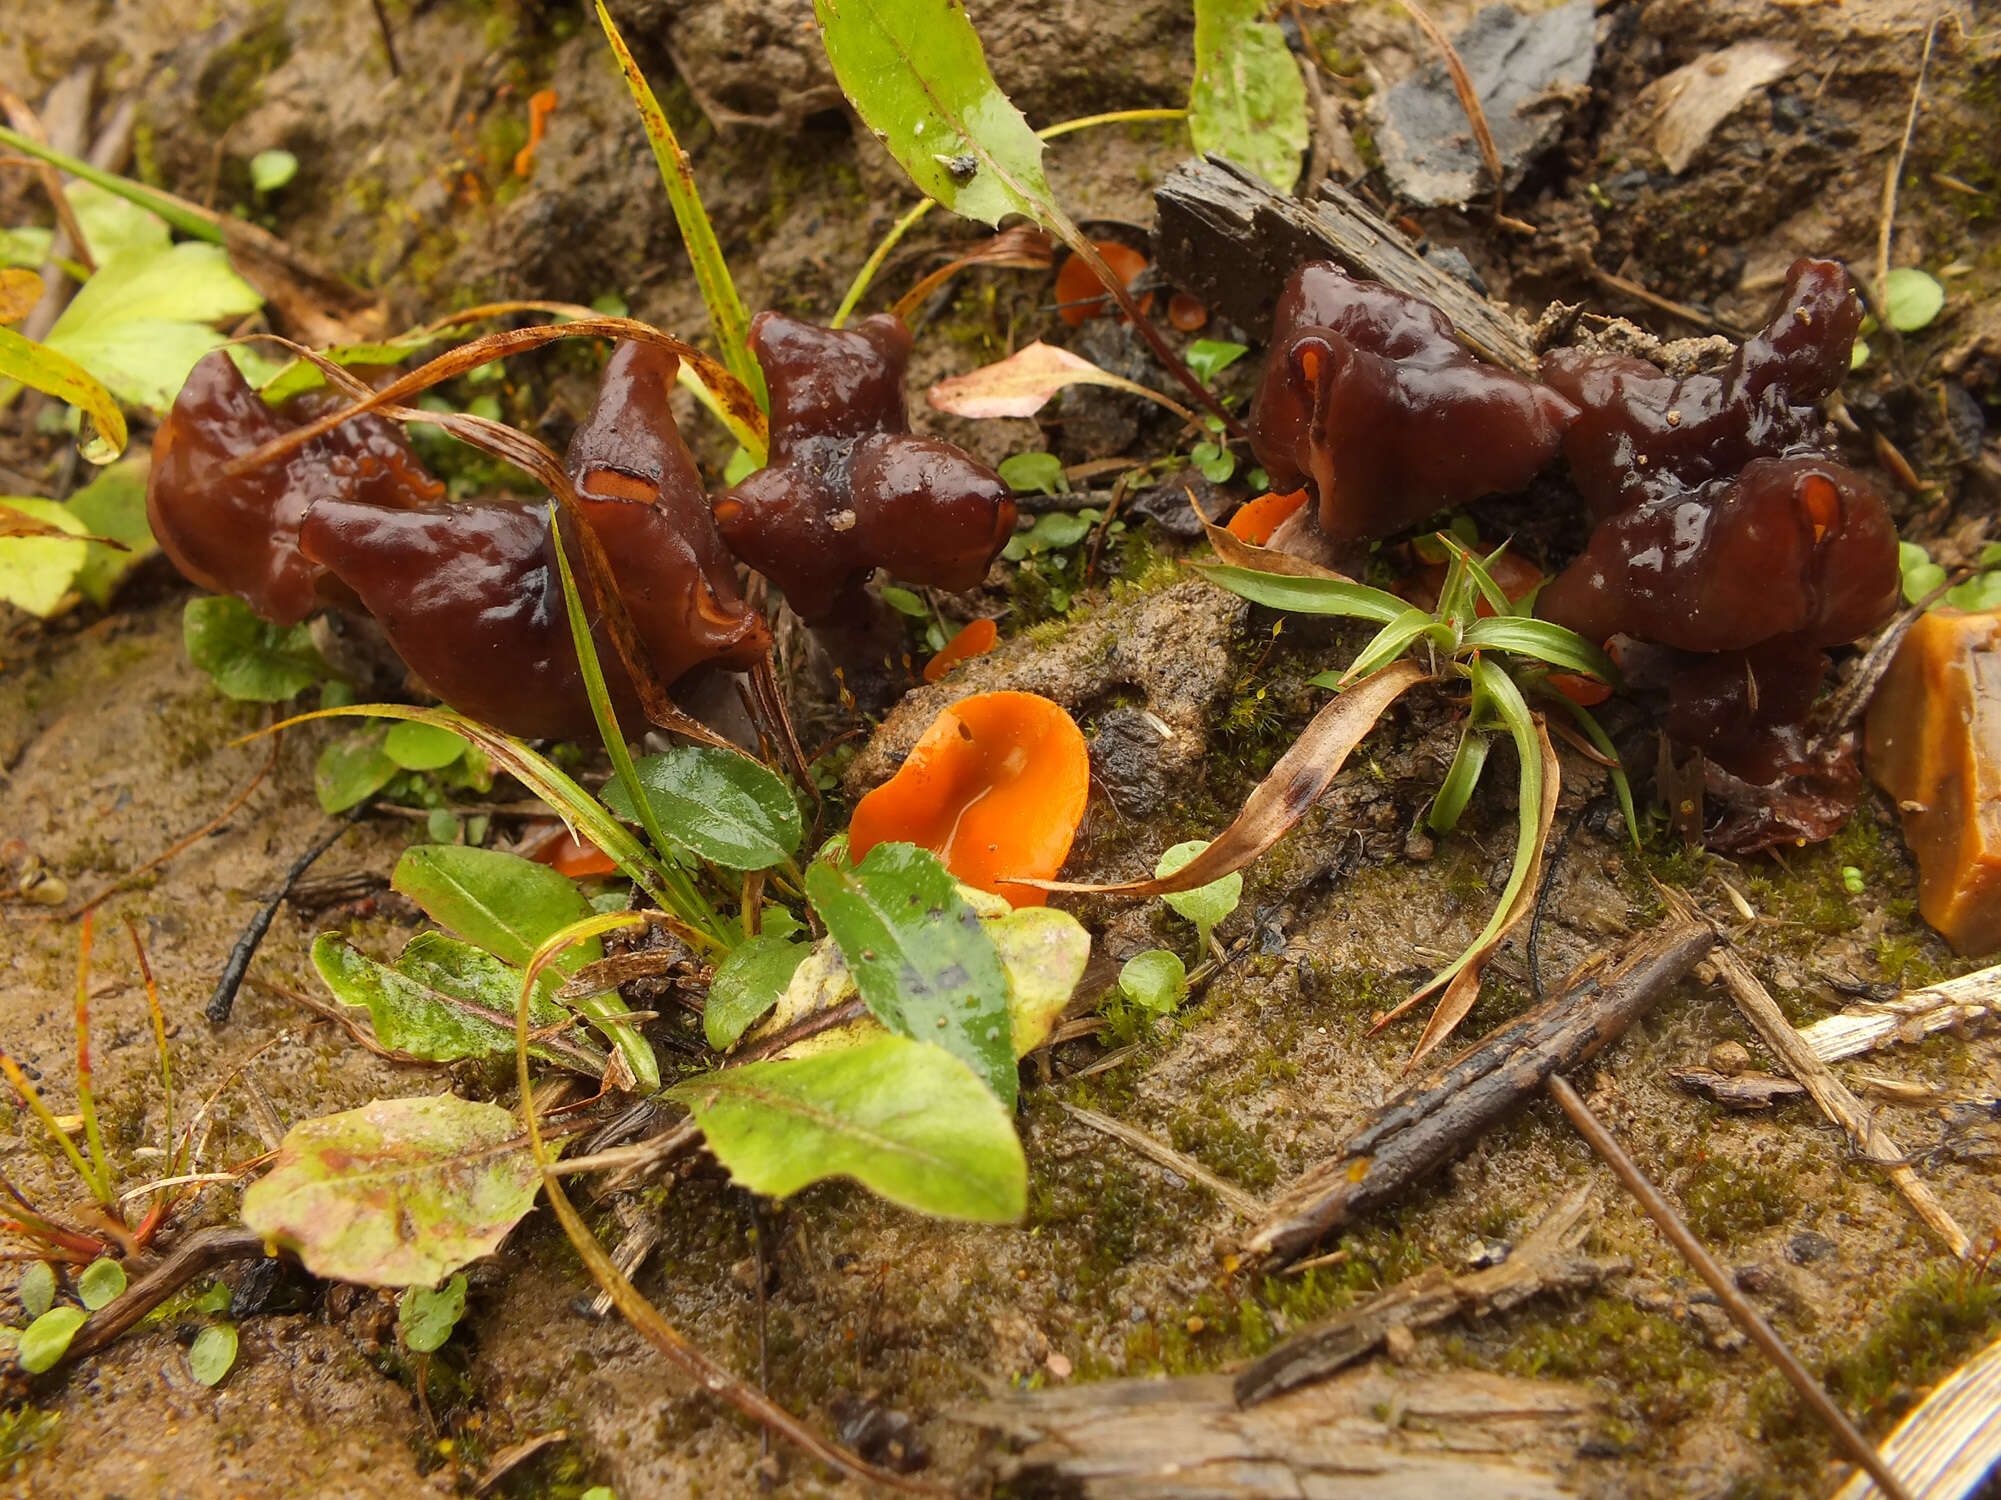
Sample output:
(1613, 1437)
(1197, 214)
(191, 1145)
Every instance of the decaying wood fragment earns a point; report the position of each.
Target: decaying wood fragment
(1951, 1442)
(1910, 1017)
(1549, 1260)
(1423, 1126)
(1737, 1090)
(1373, 1432)
(1232, 241)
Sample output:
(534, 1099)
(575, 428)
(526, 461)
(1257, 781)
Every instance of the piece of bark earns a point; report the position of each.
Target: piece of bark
(1547, 1261)
(1694, 99)
(1910, 1017)
(1425, 1125)
(1377, 1433)
(1231, 240)
(1737, 1090)
(1951, 1442)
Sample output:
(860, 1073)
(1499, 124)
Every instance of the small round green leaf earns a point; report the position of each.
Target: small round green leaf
(46, 1340)
(422, 747)
(246, 657)
(428, 1317)
(906, 603)
(352, 769)
(1154, 980)
(1034, 473)
(1206, 905)
(269, 171)
(37, 1288)
(1911, 299)
(747, 984)
(213, 1353)
(102, 1281)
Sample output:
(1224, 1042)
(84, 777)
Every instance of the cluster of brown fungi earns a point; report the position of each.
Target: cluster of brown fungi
(1728, 550)
(470, 596)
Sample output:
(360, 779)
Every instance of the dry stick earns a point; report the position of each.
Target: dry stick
(1741, 1311)
(224, 999)
(1246, 1204)
(200, 1252)
(1885, 225)
(1630, 288)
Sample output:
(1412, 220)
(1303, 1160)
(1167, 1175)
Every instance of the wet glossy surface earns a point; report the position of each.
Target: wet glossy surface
(1370, 401)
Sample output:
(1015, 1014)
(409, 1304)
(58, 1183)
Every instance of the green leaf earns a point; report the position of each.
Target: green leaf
(717, 805)
(915, 73)
(271, 170)
(1206, 905)
(141, 323)
(422, 747)
(112, 505)
(502, 903)
(1307, 596)
(1208, 358)
(113, 226)
(401, 1192)
(36, 572)
(26, 248)
(100, 1282)
(1043, 951)
(1052, 532)
(42, 368)
(428, 1317)
(1563, 649)
(747, 984)
(350, 770)
(1977, 594)
(213, 1353)
(906, 1120)
(1154, 980)
(1456, 790)
(1248, 102)
(905, 603)
(37, 1288)
(246, 657)
(445, 1000)
(917, 950)
(1911, 299)
(1386, 645)
(1034, 474)
(1215, 462)
(46, 1340)
(1920, 574)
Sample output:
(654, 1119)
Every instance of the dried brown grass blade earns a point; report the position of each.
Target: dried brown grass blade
(1023, 248)
(1282, 798)
(1237, 552)
(1464, 988)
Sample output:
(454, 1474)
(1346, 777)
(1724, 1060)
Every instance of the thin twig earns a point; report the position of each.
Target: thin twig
(1734, 1302)
(1462, 85)
(224, 998)
(199, 1253)
(1246, 1204)
(1629, 288)
(1885, 225)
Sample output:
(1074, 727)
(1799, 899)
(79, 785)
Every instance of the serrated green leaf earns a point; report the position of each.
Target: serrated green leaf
(747, 984)
(906, 1120)
(717, 805)
(37, 572)
(1912, 299)
(422, 747)
(141, 323)
(46, 1340)
(37, 1288)
(915, 72)
(401, 1192)
(100, 1282)
(1306, 596)
(112, 505)
(350, 770)
(1248, 102)
(246, 657)
(213, 1353)
(924, 964)
(1154, 980)
(1563, 649)
(428, 1317)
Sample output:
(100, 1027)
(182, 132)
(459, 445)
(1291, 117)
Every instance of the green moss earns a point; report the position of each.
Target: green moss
(232, 80)
(1724, 1200)
(1234, 1152)
(1931, 1327)
(1661, 1369)
(23, 1429)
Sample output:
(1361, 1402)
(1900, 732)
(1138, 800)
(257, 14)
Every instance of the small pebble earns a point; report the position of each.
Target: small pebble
(1730, 1057)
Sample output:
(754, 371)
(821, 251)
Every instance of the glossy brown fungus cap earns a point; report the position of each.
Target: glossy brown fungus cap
(239, 534)
(1370, 401)
(849, 488)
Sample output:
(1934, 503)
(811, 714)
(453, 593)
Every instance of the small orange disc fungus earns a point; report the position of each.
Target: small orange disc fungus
(1186, 313)
(1257, 519)
(1585, 692)
(575, 857)
(976, 639)
(1080, 294)
(995, 788)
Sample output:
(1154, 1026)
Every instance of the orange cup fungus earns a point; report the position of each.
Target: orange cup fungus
(995, 788)
(975, 639)
(1257, 519)
(1080, 295)
(567, 854)
(1186, 313)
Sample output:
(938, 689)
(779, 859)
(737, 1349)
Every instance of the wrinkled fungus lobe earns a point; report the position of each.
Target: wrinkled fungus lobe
(849, 487)
(1370, 401)
(995, 788)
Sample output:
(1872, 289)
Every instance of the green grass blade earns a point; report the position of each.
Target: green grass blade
(727, 318)
(1622, 786)
(1457, 788)
(1306, 596)
(1563, 649)
(605, 1011)
(688, 904)
(1391, 642)
(181, 215)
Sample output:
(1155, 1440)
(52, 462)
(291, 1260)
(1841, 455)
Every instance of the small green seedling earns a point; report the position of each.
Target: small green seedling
(1206, 905)
(427, 1317)
(1034, 474)
(213, 1353)
(1155, 981)
(271, 170)
(100, 1282)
